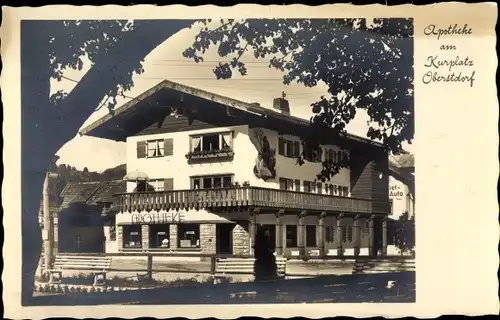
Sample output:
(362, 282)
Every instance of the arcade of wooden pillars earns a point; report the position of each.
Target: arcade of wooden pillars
(301, 230)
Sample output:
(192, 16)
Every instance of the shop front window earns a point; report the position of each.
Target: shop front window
(188, 235)
(159, 236)
(132, 237)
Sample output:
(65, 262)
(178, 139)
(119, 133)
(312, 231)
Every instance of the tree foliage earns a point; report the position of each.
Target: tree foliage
(404, 233)
(365, 65)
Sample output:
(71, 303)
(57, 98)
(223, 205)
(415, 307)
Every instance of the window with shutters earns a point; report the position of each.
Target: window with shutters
(313, 154)
(209, 182)
(288, 148)
(155, 148)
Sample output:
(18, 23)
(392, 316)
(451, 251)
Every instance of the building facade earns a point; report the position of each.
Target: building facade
(220, 170)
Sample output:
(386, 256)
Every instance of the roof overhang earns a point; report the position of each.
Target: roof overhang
(156, 103)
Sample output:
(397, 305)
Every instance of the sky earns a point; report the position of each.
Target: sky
(262, 84)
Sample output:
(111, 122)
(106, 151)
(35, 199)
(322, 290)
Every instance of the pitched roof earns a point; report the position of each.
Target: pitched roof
(167, 86)
(405, 160)
(402, 166)
(91, 192)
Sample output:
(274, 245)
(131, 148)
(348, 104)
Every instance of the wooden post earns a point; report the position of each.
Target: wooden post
(340, 248)
(279, 232)
(47, 241)
(150, 267)
(321, 235)
(356, 235)
(384, 235)
(371, 236)
(302, 235)
(213, 262)
(252, 228)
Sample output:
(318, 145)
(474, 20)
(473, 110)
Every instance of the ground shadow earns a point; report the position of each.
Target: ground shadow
(388, 287)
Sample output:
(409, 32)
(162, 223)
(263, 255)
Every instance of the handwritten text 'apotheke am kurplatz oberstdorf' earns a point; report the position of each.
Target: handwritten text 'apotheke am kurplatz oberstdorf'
(447, 66)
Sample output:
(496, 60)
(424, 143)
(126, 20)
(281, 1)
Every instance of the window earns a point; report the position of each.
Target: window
(158, 185)
(287, 184)
(349, 233)
(132, 236)
(309, 186)
(344, 233)
(320, 186)
(313, 155)
(311, 236)
(297, 185)
(330, 155)
(188, 235)
(291, 236)
(209, 182)
(159, 236)
(345, 191)
(212, 142)
(156, 148)
(288, 148)
(329, 234)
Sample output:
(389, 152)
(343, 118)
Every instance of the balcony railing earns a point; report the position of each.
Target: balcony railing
(238, 197)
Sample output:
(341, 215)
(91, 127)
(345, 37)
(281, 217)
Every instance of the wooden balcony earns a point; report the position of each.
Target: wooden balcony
(238, 197)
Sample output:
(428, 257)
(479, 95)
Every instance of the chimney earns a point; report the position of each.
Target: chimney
(281, 104)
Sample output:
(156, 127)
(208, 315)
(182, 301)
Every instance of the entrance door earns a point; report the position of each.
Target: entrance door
(269, 231)
(224, 238)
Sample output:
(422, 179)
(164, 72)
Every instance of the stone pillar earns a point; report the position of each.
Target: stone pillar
(384, 235)
(356, 235)
(340, 247)
(302, 235)
(279, 233)
(252, 228)
(371, 236)
(207, 238)
(321, 235)
(119, 236)
(173, 236)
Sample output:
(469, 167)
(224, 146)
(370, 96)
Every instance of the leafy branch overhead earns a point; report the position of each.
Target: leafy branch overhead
(365, 65)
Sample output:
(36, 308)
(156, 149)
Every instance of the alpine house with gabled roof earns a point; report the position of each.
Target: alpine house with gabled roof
(214, 171)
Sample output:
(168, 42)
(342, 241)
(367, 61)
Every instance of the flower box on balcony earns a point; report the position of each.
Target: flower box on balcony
(209, 154)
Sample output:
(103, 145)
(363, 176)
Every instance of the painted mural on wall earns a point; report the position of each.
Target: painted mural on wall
(265, 162)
